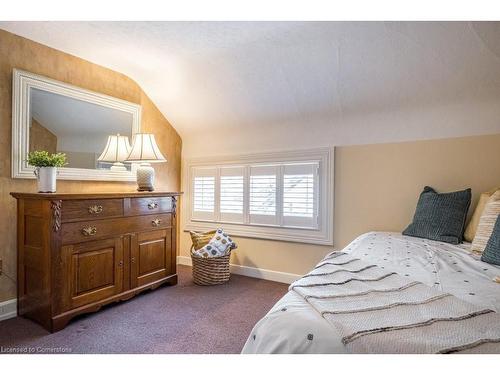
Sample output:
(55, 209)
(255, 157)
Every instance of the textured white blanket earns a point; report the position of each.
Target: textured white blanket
(293, 325)
(376, 310)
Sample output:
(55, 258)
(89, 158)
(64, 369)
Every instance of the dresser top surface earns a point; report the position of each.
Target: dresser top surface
(104, 195)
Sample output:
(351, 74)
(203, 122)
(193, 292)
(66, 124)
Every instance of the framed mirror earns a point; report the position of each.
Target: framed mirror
(57, 117)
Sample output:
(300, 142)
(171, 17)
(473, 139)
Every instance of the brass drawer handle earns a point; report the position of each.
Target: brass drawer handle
(156, 222)
(152, 205)
(89, 231)
(120, 263)
(95, 209)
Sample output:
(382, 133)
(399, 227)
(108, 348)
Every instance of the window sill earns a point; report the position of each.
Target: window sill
(265, 232)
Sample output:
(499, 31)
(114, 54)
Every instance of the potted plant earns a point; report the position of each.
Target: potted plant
(46, 169)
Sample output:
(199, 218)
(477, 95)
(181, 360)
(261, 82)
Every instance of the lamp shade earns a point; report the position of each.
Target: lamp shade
(117, 149)
(145, 149)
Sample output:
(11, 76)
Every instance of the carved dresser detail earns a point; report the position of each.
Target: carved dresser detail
(78, 252)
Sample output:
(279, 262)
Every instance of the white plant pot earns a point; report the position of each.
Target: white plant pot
(46, 177)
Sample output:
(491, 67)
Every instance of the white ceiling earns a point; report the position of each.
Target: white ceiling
(236, 75)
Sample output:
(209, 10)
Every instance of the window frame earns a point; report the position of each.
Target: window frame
(322, 234)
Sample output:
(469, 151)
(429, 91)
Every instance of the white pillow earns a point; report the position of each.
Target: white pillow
(220, 245)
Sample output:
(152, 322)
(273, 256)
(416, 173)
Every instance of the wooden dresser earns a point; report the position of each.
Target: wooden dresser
(78, 252)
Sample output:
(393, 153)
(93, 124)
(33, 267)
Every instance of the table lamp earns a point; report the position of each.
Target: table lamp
(145, 151)
(116, 151)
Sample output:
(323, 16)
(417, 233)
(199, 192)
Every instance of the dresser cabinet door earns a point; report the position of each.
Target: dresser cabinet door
(151, 257)
(92, 271)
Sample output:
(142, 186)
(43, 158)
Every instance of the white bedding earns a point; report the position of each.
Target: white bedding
(294, 326)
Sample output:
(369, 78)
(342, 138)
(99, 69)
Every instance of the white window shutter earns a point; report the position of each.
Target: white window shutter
(300, 195)
(203, 198)
(284, 196)
(263, 189)
(232, 193)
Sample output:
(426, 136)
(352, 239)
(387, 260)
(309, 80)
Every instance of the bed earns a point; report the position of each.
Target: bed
(295, 325)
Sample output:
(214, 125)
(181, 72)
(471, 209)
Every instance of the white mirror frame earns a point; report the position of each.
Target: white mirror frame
(22, 83)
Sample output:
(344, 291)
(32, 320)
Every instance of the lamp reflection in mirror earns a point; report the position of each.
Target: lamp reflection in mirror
(145, 151)
(116, 151)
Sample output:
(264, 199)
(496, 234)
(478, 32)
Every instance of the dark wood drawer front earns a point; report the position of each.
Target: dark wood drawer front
(73, 210)
(96, 229)
(145, 206)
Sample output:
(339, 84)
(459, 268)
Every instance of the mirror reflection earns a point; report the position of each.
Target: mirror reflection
(79, 129)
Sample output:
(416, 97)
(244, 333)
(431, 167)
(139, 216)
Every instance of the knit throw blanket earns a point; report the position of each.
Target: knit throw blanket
(376, 311)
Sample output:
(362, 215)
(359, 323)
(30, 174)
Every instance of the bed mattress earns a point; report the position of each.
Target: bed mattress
(294, 326)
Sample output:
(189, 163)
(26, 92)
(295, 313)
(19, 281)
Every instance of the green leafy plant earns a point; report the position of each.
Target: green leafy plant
(44, 159)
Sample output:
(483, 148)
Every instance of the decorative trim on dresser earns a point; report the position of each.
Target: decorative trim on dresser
(78, 252)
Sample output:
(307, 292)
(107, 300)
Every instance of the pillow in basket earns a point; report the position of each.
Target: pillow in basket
(200, 239)
(220, 244)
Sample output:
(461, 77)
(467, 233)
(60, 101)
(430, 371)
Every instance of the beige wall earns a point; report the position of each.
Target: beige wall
(17, 52)
(376, 188)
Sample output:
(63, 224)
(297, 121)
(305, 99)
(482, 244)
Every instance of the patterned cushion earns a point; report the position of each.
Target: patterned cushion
(200, 239)
(491, 253)
(470, 230)
(220, 244)
(486, 223)
(440, 217)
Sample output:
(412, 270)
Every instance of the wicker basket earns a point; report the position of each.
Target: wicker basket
(210, 271)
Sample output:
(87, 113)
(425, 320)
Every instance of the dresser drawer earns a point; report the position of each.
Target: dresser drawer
(87, 209)
(141, 206)
(96, 229)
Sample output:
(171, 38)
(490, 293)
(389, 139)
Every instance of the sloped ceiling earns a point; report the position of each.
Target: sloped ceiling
(230, 75)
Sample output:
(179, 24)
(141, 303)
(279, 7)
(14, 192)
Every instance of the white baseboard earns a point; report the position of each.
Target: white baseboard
(8, 309)
(259, 273)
